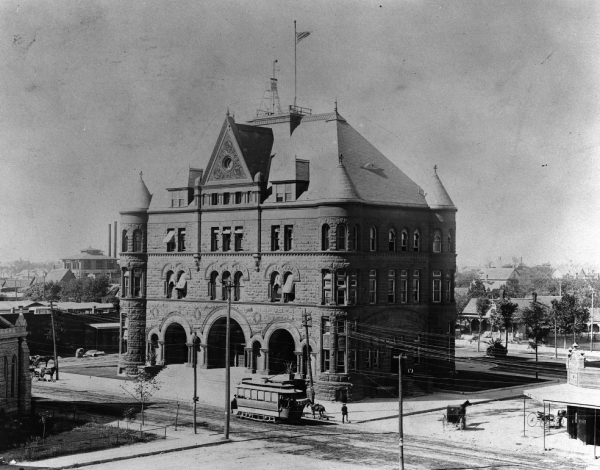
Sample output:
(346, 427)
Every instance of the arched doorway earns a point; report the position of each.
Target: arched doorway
(175, 344)
(216, 344)
(281, 351)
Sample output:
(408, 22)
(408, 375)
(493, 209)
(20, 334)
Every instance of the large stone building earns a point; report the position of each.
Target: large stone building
(15, 380)
(305, 217)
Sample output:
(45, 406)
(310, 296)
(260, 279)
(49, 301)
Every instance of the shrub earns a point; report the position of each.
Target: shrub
(496, 348)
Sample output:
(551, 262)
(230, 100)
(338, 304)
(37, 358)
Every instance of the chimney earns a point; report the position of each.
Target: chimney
(109, 243)
(534, 297)
(115, 239)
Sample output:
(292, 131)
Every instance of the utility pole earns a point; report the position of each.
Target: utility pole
(228, 285)
(54, 337)
(400, 417)
(306, 319)
(194, 364)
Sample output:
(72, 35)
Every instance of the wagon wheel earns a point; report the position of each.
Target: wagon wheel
(532, 419)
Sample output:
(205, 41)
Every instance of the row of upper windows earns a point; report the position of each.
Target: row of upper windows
(349, 241)
(339, 287)
(225, 199)
(90, 264)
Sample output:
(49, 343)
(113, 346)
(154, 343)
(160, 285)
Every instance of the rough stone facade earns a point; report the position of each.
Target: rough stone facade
(345, 252)
(15, 379)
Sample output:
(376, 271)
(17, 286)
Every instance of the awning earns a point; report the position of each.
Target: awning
(173, 279)
(126, 273)
(182, 282)
(567, 394)
(169, 237)
(239, 230)
(288, 288)
(226, 232)
(277, 281)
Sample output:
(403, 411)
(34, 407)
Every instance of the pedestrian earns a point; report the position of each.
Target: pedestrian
(345, 414)
(234, 404)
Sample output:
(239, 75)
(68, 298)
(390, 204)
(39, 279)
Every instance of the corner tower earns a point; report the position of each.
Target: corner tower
(133, 255)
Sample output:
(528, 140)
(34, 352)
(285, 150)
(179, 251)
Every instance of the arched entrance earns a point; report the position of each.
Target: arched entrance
(216, 344)
(281, 351)
(175, 344)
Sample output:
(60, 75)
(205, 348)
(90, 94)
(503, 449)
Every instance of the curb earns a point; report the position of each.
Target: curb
(143, 454)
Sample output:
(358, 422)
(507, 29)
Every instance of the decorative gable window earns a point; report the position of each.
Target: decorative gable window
(170, 239)
(437, 241)
(325, 237)
(417, 241)
(373, 239)
(341, 237)
(404, 240)
(437, 285)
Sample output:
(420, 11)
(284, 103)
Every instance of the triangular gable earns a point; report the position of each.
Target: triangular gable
(227, 160)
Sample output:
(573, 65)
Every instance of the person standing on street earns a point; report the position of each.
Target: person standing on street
(345, 413)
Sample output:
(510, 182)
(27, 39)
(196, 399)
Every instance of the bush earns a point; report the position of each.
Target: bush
(496, 348)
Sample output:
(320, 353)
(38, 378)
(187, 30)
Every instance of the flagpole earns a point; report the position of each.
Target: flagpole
(295, 45)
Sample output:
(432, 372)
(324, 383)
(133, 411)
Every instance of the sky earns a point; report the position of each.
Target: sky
(501, 96)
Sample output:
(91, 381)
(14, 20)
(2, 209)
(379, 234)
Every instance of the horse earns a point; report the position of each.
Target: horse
(318, 408)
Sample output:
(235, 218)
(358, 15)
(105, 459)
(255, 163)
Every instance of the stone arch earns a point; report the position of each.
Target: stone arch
(217, 313)
(291, 328)
(281, 268)
(233, 268)
(175, 317)
(175, 267)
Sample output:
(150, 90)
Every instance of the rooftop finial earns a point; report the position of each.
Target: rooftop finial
(141, 175)
(341, 159)
(227, 113)
(336, 104)
(435, 169)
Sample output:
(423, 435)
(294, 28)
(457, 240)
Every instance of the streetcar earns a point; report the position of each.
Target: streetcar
(270, 401)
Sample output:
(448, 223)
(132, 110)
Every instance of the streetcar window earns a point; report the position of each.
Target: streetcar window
(273, 398)
(246, 393)
(261, 395)
(253, 394)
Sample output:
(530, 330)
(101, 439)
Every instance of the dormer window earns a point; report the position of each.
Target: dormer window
(283, 192)
(178, 198)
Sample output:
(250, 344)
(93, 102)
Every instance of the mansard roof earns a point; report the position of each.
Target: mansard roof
(365, 173)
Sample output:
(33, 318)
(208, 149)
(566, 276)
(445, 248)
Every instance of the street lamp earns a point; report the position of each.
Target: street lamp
(592, 321)
(229, 286)
(194, 364)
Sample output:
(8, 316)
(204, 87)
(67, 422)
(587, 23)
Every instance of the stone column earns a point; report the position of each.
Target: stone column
(202, 358)
(299, 368)
(190, 359)
(160, 359)
(248, 352)
(265, 362)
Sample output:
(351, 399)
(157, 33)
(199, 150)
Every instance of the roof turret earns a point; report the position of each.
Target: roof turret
(438, 197)
(141, 196)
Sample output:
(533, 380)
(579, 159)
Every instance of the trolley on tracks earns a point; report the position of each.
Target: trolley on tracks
(270, 401)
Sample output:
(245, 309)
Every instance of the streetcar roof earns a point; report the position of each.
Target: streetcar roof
(279, 387)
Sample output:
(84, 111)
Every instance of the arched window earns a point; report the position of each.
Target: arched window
(437, 241)
(373, 239)
(275, 285)
(417, 241)
(289, 289)
(181, 286)
(325, 237)
(404, 240)
(170, 281)
(212, 285)
(124, 241)
(225, 279)
(238, 287)
(392, 240)
(341, 237)
(13, 377)
(137, 241)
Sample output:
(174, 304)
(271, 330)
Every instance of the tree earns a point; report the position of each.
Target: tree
(477, 289)
(537, 325)
(142, 387)
(504, 316)
(40, 291)
(482, 306)
(465, 278)
(86, 289)
(571, 316)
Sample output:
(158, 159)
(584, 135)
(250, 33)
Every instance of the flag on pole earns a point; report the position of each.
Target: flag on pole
(301, 36)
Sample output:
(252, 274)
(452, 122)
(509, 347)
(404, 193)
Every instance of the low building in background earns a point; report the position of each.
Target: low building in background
(15, 380)
(92, 262)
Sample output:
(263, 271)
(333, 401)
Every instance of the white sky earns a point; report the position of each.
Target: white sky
(502, 96)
